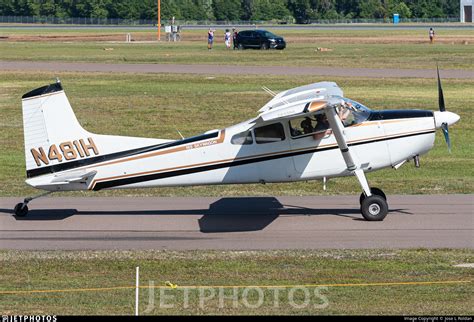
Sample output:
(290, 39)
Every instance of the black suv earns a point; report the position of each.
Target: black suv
(259, 39)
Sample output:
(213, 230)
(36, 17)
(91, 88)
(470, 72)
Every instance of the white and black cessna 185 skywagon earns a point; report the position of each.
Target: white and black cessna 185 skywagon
(305, 133)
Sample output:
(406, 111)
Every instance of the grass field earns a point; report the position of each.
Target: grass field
(21, 270)
(157, 105)
(349, 48)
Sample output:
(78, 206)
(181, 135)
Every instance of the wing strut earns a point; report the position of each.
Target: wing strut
(338, 130)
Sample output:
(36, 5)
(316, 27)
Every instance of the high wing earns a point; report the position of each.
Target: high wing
(299, 100)
(310, 98)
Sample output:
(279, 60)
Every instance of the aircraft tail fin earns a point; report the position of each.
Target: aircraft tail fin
(51, 130)
(56, 142)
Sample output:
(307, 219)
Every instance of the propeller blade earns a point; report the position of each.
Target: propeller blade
(444, 126)
(442, 107)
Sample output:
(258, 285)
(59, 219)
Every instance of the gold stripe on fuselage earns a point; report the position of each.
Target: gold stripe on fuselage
(248, 157)
(190, 146)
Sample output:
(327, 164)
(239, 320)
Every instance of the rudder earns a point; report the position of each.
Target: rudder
(48, 123)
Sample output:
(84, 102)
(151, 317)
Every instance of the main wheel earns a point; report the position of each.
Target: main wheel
(374, 191)
(20, 210)
(240, 47)
(264, 46)
(374, 208)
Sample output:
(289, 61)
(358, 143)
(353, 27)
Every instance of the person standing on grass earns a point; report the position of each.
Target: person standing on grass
(210, 38)
(432, 34)
(234, 37)
(227, 38)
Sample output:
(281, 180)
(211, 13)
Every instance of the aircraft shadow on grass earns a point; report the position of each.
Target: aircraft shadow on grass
(224, 215)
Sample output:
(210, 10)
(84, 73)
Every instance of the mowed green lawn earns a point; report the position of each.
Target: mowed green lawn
(348, 48)
(152, 105)
(23, 271)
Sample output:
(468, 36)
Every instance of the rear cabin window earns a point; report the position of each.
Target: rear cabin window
(269, 133)
(242, 138)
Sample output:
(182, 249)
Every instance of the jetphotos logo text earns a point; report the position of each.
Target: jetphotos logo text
(251, 297)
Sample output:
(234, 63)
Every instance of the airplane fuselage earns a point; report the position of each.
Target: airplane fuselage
(385, 139)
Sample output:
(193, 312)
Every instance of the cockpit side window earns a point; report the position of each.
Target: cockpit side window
(308, 125)
(243, 138)
(349, 112)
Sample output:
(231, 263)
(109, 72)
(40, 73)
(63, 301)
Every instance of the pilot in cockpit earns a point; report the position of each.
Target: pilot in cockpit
(322, 123)
(307, 126)
(322, 127)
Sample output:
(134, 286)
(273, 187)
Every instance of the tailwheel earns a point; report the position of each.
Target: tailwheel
(374, 191)
(374, 208)
(21, 210)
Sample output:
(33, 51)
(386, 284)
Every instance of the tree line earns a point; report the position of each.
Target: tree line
(299, 11)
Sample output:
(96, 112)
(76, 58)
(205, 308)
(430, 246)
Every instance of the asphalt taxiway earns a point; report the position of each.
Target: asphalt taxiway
(233, 70)
(246, 223)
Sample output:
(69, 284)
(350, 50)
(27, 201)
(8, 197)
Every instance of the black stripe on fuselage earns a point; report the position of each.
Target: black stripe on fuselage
(155, 176)
(113, 156)
(398, 114)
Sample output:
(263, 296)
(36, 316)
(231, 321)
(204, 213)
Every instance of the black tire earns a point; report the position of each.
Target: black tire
(374, 191)
(264, 46)
(374, 208)
(240, 47)
(20, 210)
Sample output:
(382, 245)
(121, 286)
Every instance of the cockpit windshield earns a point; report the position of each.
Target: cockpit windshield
(352, 112)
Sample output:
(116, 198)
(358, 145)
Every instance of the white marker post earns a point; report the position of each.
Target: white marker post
(136, 290)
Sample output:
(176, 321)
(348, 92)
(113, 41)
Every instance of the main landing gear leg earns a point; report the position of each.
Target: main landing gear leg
(373, 202)
(21, 209)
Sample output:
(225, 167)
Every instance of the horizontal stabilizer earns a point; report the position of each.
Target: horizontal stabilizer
(75, 176)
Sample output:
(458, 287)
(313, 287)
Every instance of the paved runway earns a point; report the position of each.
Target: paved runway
(433, 221)
(233, 70)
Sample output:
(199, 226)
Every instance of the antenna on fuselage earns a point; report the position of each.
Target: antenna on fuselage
(182, 137)
(269, 91)
(273, 94)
